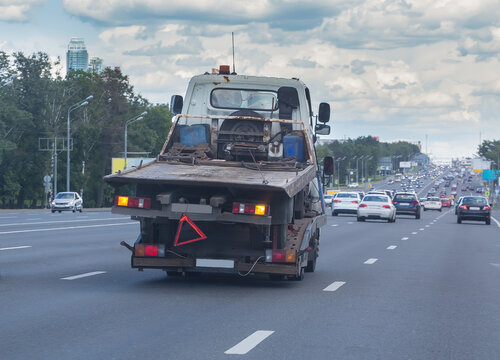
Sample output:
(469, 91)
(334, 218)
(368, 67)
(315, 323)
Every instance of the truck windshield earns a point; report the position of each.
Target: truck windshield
(244, 99)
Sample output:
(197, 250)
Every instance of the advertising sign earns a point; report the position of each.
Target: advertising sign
(405, 164)
(118, 163)
(490, 174)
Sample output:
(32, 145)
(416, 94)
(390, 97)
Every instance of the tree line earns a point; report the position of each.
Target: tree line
(34, 103)
(364, 151)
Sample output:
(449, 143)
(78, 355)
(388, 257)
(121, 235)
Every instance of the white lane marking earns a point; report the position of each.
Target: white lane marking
(370, 261)
(414, 233)
(495, 220)
(335, 225)
(75, 277)
(446, 213)
(404, 238)
(64, 221)
(8, 217)
(15, 248)
(249, 343)
(495, 265)
(427, 225)
(334, 286)
(67, 228)
(392, 247)
(421, 229)
(350, 222)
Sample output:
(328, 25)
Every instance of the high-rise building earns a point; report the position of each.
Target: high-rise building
(95, 64)
(77, 57)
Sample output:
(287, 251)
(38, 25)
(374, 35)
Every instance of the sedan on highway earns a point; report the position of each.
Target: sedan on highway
(446, 202)
(433, 203)
(474, 208)
(407, 204)
(345, 202)
(67, 201)
(376, 207)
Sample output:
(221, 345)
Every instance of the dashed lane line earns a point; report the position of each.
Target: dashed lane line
(75, 277)
(392, 247)
(15, 247)
(334, 225)
(427, 225)
(414, 233)
(334, 286)
(67, 228)
(404, 238)
(421, 229)
(370, 261)
(244, 346)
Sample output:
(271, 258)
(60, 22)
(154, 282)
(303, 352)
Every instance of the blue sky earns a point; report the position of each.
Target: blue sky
(397, 69)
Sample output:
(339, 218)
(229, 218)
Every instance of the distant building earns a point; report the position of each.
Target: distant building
(77, 57)
(95, 64)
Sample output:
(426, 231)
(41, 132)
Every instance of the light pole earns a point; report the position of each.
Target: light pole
(366, 166)
(127, 123)
(338, 170)
(81, 103)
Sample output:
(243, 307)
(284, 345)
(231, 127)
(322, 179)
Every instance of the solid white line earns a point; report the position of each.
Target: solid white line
(84, 275)
(64, 221)
(334, 286)
(249, 343)
(370, 261)
(495, 220)
(67, 228)
(392, 247)
(15, 248)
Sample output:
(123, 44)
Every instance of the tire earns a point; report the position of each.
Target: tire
(74, 211)
(334, 213)
(440, 210)
(81, 209)
(488, 222)
(52, 211)
(360, 219)
(59, 211)
(311, 264)
(459, 221)
(425, 209)
(417, 216)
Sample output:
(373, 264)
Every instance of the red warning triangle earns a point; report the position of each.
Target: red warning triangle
(186, 236)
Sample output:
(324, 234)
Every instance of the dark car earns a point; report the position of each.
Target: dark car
(474, 208)
(406, 204)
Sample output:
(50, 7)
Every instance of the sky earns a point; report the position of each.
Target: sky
(397, 69)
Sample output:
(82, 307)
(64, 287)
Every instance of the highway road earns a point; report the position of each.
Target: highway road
(415, 289)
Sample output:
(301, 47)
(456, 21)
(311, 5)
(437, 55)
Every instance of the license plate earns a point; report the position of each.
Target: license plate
(474, 208)
(403, 204)
(215, 263)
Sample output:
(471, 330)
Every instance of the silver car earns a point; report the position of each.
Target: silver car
(67, 201)
(374, 206)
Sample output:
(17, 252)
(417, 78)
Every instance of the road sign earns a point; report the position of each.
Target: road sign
(47, 178)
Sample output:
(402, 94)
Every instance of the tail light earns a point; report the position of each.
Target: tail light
(362, 205)
(281, 256)
(149, 250)
(463, 207)
(250, 209)
(355, 202)
(134, 202)
(486, 207)
(337, 201)
(414, 202)
(386, 206)
(394, 202)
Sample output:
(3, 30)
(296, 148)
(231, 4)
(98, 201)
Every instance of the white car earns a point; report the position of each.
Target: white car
(433, 203)
(328, 200)
(67, 201)
(345, 202)
(377, 207)
(353, 185)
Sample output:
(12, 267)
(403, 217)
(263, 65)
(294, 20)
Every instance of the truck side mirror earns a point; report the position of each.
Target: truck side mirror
(327, 166)
(324, 112)
(322, 129)
(176, 103)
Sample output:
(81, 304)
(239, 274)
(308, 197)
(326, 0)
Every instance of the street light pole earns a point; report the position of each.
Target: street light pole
(127, 123)
(81, 103)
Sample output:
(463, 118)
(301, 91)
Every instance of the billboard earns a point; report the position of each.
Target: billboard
(119, 163)
(490, 174)
(405, 164)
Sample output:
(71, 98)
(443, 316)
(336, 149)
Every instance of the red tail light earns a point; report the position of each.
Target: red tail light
(386, 206)
(394, 202)
(149, 250)
(336, 201)
(355, 202)
(250, 209)
(414, 203)
(362, 205)
(134, 202)
(283, 256)
(486, 207)
(463, 207)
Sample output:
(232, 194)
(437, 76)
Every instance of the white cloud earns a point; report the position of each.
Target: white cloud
(17, 10)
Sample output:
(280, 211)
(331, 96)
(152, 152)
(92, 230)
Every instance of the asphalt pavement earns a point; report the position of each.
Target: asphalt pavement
(413, 289)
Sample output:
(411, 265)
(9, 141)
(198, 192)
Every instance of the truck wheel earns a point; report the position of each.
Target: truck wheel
(311, 264)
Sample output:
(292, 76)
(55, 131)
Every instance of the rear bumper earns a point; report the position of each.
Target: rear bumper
(473, 216)
(188, 265)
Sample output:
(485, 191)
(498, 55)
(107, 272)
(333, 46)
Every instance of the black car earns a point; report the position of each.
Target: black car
(406, 204)
(474, 208)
